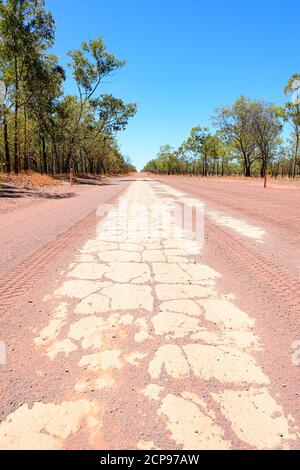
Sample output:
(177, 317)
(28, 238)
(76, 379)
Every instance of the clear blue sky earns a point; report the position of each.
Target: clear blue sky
(185, 58)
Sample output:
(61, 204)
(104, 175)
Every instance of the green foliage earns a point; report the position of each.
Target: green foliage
(113, 113)
(292, 115)
(247, 141)
(43, 129)
(90, 64)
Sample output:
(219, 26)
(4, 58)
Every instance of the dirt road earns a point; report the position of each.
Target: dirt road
(140, 335)
(34, 218)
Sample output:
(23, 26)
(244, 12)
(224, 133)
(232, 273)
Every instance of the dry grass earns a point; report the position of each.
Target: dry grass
(29, 180)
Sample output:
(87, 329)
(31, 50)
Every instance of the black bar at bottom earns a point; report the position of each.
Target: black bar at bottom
(134, 459)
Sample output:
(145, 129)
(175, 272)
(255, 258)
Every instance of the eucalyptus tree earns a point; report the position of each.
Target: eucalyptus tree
(45, 91)
(192, 147)
(266, 127)
(151, 166)
(90, 65)
(292, 109)
(112, 113)
(203, 148)
(4, 117)
(104, 117)
(107, 116)
(227, 157)
(200, 153)
(26, 30)
(166, 160)
(235, 125)
(183, 164)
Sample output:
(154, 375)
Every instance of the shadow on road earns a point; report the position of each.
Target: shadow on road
(11, 192)
(89, 180)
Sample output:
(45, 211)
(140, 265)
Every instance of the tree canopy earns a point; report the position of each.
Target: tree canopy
(42, 128)
(245, 138)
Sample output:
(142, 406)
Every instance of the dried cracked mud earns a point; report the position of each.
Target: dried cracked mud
(155, 355)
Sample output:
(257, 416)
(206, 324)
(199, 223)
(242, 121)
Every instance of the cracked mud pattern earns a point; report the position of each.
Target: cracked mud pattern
(157, 357)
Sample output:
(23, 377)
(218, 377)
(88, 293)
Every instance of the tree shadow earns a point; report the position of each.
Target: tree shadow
(92, 181)
(12, 192)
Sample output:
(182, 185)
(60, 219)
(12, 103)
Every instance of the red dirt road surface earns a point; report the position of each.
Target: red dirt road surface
(123, 331)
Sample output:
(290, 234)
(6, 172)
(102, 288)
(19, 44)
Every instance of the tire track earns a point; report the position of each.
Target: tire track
(22, 277)
(275, 276)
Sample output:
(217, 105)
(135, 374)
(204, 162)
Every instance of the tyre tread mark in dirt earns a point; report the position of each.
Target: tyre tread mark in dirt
(281, 282)
(22, 277)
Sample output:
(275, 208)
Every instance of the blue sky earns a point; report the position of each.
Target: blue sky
(184, 58)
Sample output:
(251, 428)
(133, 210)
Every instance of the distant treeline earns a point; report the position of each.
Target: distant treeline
(247, 141)
(42, 128)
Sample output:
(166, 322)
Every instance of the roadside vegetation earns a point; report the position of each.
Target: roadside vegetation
(247, 139)
(43, 129)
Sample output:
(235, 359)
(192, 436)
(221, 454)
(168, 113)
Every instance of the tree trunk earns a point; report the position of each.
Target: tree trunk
(265, 176)
(58, 169)
(16, 123)
(263, 168)
(6, 146)
(214, 167)
(41, 157)
(247, 170)
(91, 166)
(26, 161)
(296, 153)
(102, 167)
(44, 154)
(16, 140)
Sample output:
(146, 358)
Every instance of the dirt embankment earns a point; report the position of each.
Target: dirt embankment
(18, 192)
